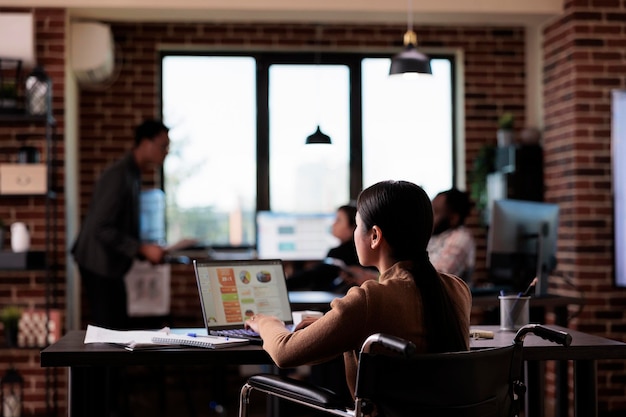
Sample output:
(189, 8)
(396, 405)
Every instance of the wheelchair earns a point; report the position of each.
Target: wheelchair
(394, 381)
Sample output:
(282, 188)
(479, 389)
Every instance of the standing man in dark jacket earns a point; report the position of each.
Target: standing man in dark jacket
(109, 238)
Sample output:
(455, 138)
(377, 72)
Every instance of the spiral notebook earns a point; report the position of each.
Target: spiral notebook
(208, 342)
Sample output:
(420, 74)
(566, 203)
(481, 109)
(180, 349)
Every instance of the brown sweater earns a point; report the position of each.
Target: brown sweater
(392, 305)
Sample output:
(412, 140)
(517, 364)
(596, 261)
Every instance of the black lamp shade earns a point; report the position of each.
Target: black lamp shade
(318, 137)
(410, 60)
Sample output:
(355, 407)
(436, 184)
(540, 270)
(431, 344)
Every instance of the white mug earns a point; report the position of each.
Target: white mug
(20, 238)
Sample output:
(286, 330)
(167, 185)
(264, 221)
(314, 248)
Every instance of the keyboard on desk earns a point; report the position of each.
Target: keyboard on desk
(249, 334)
(240, 333)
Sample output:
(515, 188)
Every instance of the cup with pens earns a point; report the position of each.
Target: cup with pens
(514, 309)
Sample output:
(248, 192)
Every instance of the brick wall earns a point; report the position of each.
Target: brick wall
(27, 289)
(583, 53)
(494, 83)
(585, 59)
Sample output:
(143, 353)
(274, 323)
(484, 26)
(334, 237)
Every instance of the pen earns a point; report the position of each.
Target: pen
(530, 288)
(515, 310)
(192, 335)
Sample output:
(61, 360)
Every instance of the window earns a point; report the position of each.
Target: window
(210, 172)
(309, 178)
(239, 124)
(409, 122)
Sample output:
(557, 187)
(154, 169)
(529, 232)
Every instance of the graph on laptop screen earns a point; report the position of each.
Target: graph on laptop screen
(294, 236)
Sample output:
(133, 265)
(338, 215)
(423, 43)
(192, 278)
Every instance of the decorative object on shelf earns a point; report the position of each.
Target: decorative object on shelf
(10, 317)
(38, 93)
(20, 237)
(484, 164)
(38, 329)
(410, 60)
(23, 179)
(505, 130)
(28, 155)
(12, 393)
(17, 31)
(10, 72)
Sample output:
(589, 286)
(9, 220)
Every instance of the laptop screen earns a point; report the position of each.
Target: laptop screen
(232, 291)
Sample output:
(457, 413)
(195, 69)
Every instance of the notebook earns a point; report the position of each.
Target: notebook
(209, 342)
(231, 291)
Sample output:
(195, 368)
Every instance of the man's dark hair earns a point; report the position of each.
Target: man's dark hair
(148, 130)
(458, 202)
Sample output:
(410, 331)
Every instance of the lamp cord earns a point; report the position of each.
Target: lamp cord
(410, 15)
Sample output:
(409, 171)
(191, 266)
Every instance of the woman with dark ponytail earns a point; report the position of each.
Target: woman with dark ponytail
(410, 299)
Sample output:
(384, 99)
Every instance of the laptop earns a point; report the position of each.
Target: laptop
(232, 291)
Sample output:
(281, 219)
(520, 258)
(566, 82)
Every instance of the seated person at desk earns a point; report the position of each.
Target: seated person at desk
(452, 248)
(410, 300)
(323, 276)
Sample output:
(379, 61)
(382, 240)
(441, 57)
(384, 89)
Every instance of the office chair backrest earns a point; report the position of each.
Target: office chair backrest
(467, 384)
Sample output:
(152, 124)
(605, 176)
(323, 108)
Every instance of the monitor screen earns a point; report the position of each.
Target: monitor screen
(294, 236)
(521, 243)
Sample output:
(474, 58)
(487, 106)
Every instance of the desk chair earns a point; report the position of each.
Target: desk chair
(393, 381)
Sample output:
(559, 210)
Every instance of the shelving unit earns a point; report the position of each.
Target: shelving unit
(38, 260)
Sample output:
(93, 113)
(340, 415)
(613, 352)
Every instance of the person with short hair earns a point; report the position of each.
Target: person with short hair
(410, 299)
(109, 239)
(452, 248)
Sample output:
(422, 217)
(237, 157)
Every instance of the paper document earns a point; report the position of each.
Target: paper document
(151, 339)
(97, 334)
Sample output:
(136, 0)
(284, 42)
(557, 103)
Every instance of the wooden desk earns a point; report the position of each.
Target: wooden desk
(88, 365)
(84, 362)
(584, 351)
(320, 301)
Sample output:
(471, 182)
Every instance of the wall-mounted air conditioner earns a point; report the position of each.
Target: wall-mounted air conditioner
(92, 52)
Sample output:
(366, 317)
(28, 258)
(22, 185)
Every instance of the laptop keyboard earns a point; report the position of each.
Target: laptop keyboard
(243, 333)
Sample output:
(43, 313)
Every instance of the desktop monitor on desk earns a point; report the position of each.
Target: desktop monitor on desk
(294, 236)
(521, 243)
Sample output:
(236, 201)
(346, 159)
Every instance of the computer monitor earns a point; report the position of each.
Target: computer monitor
(294, 236)
(521, 243)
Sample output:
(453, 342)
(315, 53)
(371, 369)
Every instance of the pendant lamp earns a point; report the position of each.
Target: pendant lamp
(410, 60)
(318, 137)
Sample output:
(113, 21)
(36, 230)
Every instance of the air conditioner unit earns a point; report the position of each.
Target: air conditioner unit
(92, 52)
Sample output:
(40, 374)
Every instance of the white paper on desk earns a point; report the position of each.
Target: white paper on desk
(97, 334)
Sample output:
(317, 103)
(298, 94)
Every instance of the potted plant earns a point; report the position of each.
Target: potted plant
(8, 95)
(10, 317)
(505, 129)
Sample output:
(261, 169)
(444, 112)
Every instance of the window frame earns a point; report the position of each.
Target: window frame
(264, 59)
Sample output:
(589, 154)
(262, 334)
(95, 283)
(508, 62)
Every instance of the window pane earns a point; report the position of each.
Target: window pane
(210, 173)
(407, 126)
(308, 178)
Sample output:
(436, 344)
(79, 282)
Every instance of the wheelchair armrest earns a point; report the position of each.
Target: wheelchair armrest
(556, 336)
(395, 344)
(296, 390)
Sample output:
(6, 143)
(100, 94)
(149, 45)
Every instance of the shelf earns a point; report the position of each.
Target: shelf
(22, 260)
(26, 118)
